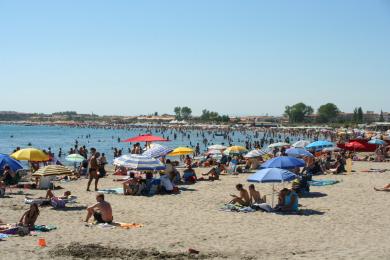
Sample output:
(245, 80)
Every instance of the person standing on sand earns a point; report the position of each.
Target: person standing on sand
(93, 169)
(101, 211)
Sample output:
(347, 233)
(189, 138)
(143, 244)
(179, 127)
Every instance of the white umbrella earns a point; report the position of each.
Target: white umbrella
(280, 144)
(217, 147)
(301, 144)
(139, 162)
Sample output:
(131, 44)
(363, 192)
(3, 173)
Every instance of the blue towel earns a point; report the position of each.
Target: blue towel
(323, 182)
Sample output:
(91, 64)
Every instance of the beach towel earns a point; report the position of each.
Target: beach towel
(119, 225)
(263, 207)
(236, 208)
(323, 182)
(376, 170)
(3, 236)
(129, 225)
(39, 202)
(111, 191)
(44, 228)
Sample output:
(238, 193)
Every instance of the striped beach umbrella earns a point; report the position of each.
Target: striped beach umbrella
(236, 149)
(139, 162)
(157, 150)
(257, 153)
(52, 170)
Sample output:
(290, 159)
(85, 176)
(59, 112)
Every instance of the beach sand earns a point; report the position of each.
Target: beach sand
(348, 220)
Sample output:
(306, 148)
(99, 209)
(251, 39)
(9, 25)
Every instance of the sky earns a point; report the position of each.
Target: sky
(234, 57)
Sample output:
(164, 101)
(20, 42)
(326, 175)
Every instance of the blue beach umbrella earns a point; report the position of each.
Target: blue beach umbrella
(11, 162)
(319, 145)
(377, 142)
(283, 162)
(139, 162)
(298, 152)
(157, 150)
(272, 175)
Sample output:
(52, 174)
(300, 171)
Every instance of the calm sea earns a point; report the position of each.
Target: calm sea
(104, 140)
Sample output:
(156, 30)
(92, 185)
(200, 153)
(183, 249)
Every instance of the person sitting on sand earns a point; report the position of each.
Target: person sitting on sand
(386, 188)
(189, 175)
(9, 177)
(30, 216)
(288, 201)
(255, 196)
(166, 185)
(215, 172)
(101, 211)
(243, 199)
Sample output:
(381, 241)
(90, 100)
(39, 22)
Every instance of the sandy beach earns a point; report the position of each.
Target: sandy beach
(348, 220)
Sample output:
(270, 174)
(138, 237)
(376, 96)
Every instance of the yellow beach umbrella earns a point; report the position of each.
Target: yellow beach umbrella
(181, 151)
(52, 170)
(236, 149)
(30, 154)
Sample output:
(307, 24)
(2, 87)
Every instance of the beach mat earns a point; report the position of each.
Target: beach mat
(323, 182)
(111, 191)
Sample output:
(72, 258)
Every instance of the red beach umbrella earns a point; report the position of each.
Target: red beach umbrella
(145, 138)
(355, 146)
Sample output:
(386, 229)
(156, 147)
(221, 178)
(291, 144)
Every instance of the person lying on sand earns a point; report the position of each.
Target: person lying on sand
(255, 196)
(243, 199)
(30, 216)
(101, 211)
(386, 188)
(50, 195)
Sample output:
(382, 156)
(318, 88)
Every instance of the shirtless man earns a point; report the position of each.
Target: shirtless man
(243, 199)
(255, 196)
(93, 169)
(101, 211)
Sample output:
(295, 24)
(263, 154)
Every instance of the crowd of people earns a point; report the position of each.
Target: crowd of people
(148, 183)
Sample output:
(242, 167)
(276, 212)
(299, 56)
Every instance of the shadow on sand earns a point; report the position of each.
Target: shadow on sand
(313, 195)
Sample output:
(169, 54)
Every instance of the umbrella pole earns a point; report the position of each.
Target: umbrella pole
(273, 194)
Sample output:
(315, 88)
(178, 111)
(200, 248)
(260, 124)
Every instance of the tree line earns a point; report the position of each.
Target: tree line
(327, 113)
(185, 113)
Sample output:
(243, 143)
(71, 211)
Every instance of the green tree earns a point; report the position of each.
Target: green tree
(381, 117)
(177, 111)
(186, 113)
(298, 112)
(360, 115)
(355, 117)
(328, 113)
(225, 119)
